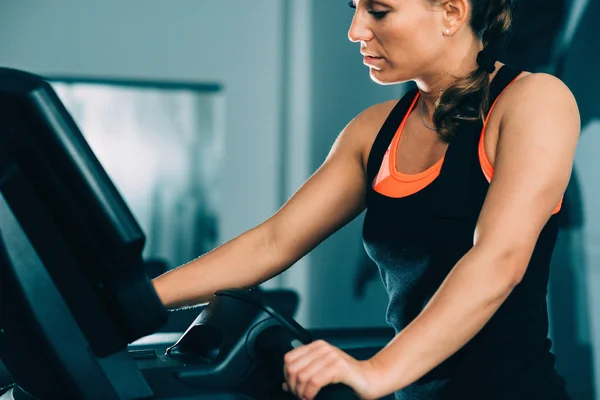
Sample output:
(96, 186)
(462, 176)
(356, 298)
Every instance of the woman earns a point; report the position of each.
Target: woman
(463, 257)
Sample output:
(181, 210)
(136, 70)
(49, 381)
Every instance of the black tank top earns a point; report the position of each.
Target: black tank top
(416, 240)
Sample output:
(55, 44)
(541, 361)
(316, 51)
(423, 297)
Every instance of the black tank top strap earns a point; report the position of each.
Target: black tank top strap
(503, 78)
(387, 132)
(452, 186)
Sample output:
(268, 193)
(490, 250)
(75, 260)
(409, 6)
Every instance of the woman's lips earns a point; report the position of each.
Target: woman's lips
(370, 60)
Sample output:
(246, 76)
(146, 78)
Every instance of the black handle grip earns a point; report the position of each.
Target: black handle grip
(337, 391)
(275, 342)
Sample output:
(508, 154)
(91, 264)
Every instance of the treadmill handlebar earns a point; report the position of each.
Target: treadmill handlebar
(274, 342)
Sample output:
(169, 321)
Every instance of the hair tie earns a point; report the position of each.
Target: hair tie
(488, 56)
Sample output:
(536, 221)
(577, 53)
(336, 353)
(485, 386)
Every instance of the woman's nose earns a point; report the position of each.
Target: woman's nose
(359, 30)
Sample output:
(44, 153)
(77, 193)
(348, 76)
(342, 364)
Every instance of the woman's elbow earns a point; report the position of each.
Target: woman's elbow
(512, 261)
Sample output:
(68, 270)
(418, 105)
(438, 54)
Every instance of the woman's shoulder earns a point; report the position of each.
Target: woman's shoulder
(536, 93)
(540, 82)
(363, 129)
(539, 106)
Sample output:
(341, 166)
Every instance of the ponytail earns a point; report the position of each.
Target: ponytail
(468, 97)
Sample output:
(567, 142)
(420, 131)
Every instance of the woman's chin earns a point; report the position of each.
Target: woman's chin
(380, 77)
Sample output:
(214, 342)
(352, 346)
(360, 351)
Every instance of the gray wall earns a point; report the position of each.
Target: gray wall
(233, 43)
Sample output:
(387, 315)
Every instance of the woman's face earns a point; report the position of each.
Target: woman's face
(402, 39)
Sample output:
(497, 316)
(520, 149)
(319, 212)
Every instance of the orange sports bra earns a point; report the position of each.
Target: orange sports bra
(392, 183)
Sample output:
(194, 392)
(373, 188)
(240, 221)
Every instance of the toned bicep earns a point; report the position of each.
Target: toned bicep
(533, 163)
(334, 195)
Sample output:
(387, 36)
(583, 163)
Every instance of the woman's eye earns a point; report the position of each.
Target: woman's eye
(378, 14)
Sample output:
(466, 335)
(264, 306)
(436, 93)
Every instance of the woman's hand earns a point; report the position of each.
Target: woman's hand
(309, 368)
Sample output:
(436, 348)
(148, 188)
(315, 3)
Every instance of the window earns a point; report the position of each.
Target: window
(162, 145)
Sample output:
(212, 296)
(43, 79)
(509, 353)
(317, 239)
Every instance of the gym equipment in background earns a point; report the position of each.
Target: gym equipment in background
(75, 293)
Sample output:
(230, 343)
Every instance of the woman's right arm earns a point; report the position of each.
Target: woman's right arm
(333, 196)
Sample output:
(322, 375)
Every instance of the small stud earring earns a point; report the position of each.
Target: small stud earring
(447, 31)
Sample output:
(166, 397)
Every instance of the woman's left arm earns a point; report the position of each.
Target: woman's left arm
(539, 130)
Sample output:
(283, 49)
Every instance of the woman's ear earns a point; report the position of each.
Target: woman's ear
(456, 14)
